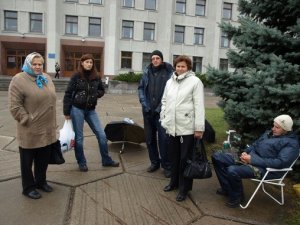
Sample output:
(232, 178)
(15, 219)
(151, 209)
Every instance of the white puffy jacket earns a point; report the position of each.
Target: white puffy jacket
(182, 111)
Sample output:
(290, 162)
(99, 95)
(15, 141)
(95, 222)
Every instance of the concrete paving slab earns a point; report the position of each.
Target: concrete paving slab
(13, 146)
(129, 199)
(5, 140)
(209, 220)
(69, 174)
(205, 197)
(9, 165)
(16, 209)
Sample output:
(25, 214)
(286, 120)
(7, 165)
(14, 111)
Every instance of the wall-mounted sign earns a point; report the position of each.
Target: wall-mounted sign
(51, 55)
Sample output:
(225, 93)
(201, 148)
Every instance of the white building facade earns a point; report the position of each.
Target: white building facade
(121, 34)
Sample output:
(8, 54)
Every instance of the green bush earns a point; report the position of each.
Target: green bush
(136, 77)
(129, 77)
(203, 78)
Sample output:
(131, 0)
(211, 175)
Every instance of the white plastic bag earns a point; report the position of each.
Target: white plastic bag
(67, 136)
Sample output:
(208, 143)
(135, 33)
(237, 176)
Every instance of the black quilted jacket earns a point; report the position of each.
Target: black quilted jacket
(82, 93)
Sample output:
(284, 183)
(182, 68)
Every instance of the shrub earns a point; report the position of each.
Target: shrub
(203, 78)
(136, 77)
(129, 77)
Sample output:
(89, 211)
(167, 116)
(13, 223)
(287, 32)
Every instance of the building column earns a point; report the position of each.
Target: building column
(110, 50)
(52, 53)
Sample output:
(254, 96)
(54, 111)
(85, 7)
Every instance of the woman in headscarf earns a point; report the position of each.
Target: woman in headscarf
(32, 103)
(80, 100)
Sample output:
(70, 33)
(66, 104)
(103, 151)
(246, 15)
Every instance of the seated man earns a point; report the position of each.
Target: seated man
(277, 148)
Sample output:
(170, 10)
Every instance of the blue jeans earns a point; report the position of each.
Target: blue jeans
(154, 131)
(90, 116)
(230, 174)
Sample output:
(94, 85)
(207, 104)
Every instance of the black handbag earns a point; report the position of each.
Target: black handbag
(198, 167)
(56, 156)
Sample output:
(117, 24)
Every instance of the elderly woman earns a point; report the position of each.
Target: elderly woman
(32, 103)
(183, 117)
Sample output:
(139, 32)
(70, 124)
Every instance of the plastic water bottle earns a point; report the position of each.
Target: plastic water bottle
(226, 145)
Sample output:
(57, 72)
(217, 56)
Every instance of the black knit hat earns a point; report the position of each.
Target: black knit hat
(157, 52)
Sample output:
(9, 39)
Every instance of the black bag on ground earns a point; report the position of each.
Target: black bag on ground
(209, 133)
(199, 167)
(56, 156)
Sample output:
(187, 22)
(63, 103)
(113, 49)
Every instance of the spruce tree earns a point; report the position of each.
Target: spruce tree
(265, 81)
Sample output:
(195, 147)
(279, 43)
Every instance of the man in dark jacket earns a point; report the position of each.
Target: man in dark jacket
(150, 90)
(277, 148)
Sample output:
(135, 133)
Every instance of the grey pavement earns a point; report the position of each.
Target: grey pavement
(127, 195)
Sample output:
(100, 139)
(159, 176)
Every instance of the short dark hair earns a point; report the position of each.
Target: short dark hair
(183, 58)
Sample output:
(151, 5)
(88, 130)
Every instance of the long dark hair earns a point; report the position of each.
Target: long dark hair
(93, 72)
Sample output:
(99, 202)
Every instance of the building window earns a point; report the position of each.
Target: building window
(227, 11)
(149, 31)
(180, 6)
(197, 64)
(146, 60)
(71, 25)
(200, 7)
(71, 0)
(128, 3)
(126, 60)
(224, 40)
(36, 22)
(179, 34)
(72, 60)
(199, 35)
(94, 26)
(127, 29)
(223, 64)
(150, 4)
(99, 2)
(11, 20)
(174, 57)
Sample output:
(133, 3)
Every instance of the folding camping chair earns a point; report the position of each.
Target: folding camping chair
(261, 182)
(276, 182)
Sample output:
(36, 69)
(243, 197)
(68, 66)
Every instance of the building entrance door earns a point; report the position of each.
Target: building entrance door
(15, 60)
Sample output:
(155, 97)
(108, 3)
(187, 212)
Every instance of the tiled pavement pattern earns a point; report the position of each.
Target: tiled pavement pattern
(127, 195)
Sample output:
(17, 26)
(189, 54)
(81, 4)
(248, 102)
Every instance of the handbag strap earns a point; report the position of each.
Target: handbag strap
(198, 144)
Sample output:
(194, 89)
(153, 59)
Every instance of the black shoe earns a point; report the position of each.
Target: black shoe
(34, 194)
(112, 164)
(46, 188)
(169, 188)
(180, 197)
(167, 173)
(220, 191)
(83, 168)
(152, 168)
(233, 203)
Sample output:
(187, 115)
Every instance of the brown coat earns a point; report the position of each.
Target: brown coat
(34, 109)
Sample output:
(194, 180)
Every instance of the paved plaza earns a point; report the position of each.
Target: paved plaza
(126, 195)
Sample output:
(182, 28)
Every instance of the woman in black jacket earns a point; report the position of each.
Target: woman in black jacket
(80, 100)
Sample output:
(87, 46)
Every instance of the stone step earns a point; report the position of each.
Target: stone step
(60, 84)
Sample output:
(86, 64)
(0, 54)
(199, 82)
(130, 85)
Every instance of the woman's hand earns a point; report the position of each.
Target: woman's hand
(198, 134)
(67, 117)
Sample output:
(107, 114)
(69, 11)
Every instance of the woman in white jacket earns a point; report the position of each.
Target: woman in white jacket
(183, 117)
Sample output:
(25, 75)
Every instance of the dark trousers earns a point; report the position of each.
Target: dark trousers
(156, 140)
(230, 174)
(180, 150)
(57, 74)
(40, 158)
